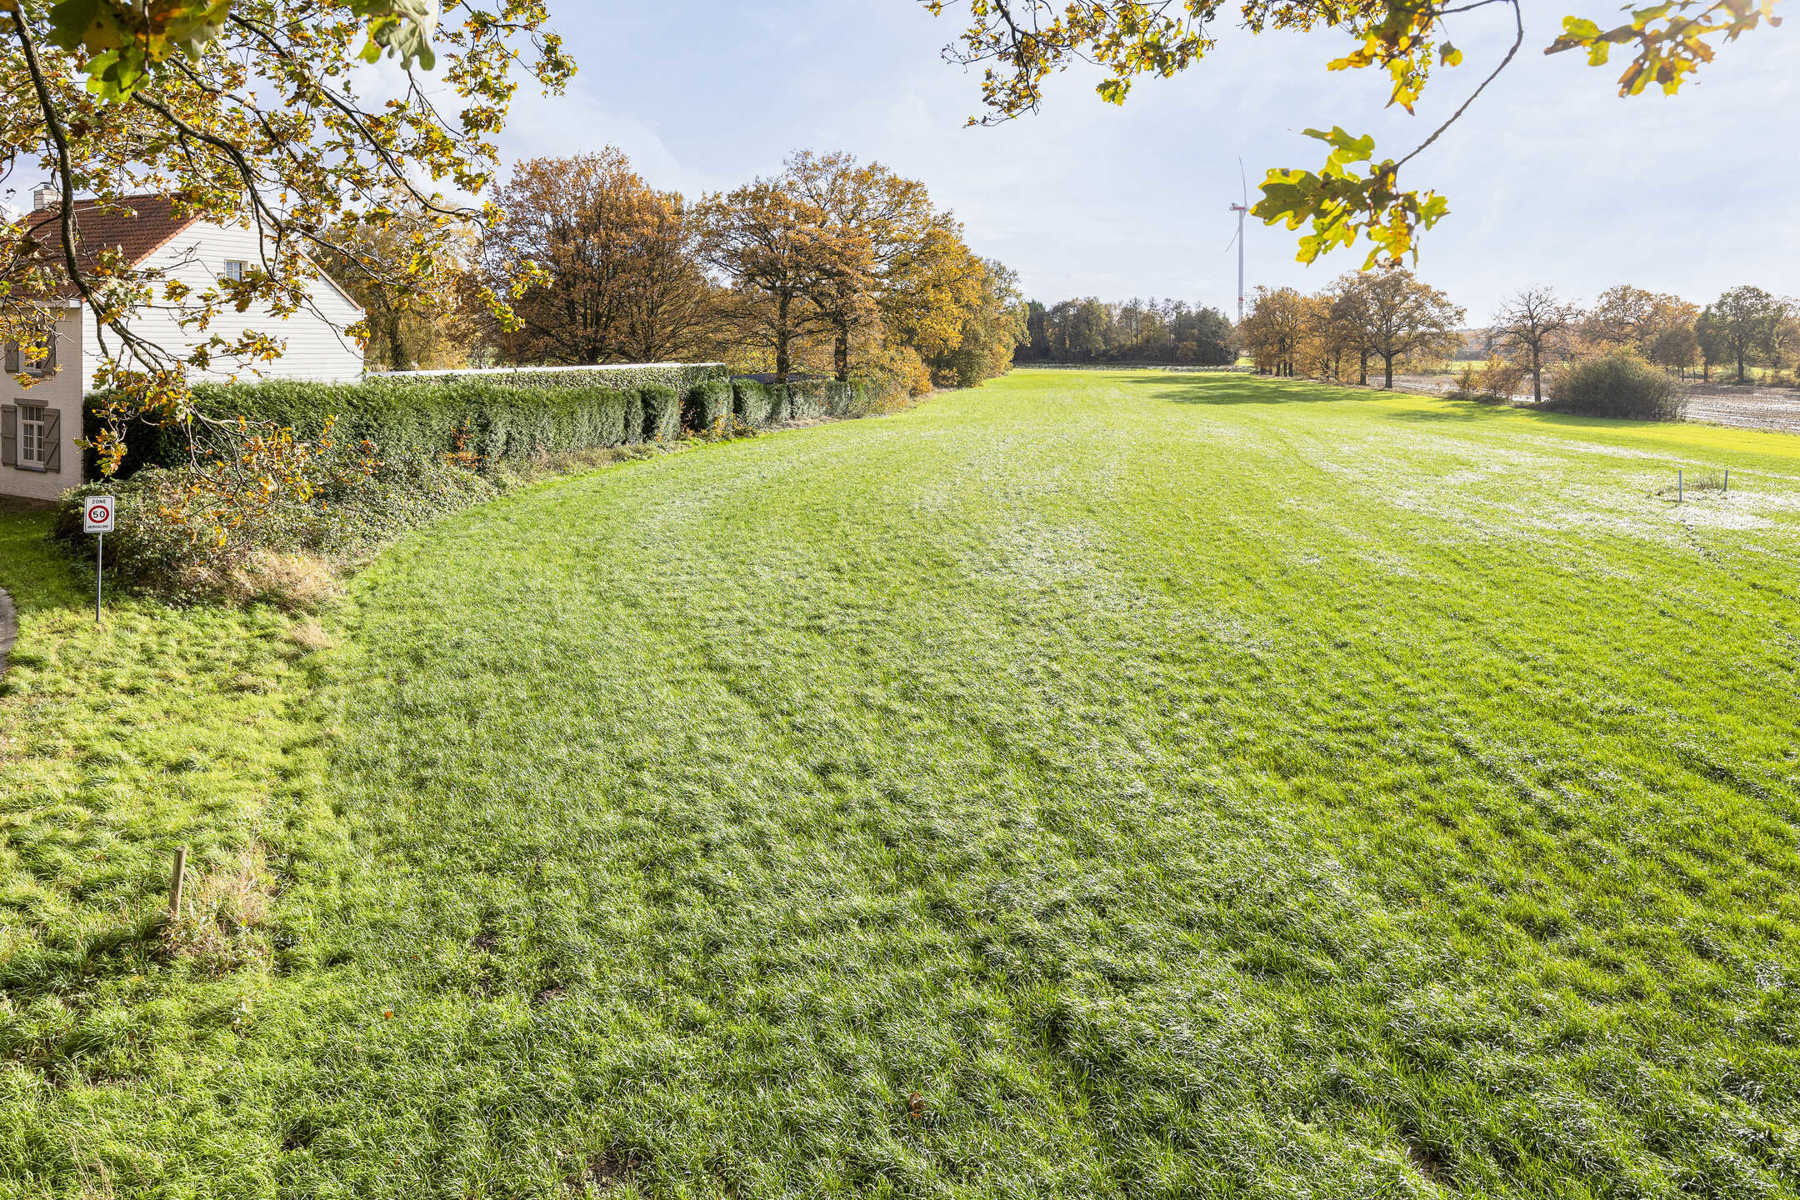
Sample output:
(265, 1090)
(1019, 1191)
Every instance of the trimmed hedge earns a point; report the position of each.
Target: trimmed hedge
(807, 399)
(751, 402)
(707, 405)
(409, 418)
(428, 415)
(662, 413)
(626, 377)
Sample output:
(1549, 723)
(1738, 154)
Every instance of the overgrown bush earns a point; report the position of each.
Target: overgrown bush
(162, 545)
(1619, 385)
(780, 403)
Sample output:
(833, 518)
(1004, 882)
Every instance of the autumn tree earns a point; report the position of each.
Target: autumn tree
(1530, 324)
(779, 250)
(1019, 44)
(263, 113)
(424, 326)
(1272, 329)
(992, 328)
(1406, 317)
(1737, 325)
(1346, 318)
(918, 280)
(619, 273)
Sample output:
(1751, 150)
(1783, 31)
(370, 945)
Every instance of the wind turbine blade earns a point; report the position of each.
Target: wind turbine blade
(1243, 181)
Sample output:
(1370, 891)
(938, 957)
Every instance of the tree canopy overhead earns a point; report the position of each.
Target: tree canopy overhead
(1019, 44)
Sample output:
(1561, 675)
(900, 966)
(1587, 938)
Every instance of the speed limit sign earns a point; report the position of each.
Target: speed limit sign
(97, 517)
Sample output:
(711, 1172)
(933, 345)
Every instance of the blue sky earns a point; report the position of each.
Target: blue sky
(1551, 178)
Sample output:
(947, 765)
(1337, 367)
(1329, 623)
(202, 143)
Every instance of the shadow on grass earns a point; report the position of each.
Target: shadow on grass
(1211, 390)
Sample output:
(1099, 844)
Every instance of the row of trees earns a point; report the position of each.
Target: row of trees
(1160, 331)
(1388, 316)
(1394, 318)
(831, 266)
(1745, 327)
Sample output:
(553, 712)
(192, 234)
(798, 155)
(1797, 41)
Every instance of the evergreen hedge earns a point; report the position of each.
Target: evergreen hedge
(410, 416)
(500, 415)
(708, 404)
(662, 413)
(751, 402)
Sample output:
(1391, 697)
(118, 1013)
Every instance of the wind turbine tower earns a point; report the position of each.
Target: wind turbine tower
(1241, 210)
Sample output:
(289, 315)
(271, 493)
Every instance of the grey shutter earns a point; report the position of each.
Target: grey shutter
(52, 440)
(12, 358)
(9, 435)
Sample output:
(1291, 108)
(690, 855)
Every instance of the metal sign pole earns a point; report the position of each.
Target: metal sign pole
(99, 574)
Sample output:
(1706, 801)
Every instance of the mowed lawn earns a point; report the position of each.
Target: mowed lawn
(1109, 784)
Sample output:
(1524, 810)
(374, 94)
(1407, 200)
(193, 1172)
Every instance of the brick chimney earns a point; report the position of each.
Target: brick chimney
(44, 195)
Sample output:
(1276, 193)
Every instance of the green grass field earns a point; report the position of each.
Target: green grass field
(1091, 785)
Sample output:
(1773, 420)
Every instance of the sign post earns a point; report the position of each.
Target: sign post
(97, 518)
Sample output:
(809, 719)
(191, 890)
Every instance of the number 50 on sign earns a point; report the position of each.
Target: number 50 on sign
(97, 517)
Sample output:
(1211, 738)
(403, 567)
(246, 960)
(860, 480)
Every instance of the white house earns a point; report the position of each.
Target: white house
(40, 424)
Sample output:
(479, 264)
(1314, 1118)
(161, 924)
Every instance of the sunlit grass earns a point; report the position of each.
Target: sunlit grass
(1113, 784)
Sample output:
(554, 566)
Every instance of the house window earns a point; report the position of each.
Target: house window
(34, 440)
(18, 361)
(235, 268)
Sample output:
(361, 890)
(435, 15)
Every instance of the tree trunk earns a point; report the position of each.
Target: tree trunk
(1537, 377)
(1362, 368)
(843, 352)
(1740, 366)
(1387, 364)
(783, 336)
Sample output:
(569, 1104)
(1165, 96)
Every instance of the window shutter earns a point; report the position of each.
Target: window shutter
(9, 435)
(49, 364)
(52, 440)
(12, 358)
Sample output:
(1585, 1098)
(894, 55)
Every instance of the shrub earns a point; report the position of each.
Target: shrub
(634, 418)
(662, 413)
(808, 398)
(751, 402)
(284, 553)
(780, 403)
(707, 405)
(1619, 385)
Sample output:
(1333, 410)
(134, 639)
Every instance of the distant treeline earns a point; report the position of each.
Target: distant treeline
(1157, 331)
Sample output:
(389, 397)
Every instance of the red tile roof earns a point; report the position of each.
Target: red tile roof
(136, 225)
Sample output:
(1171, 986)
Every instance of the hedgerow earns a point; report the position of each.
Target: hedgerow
(707, 405)
(662, 413)
(413, 448)
(486, 417)
(751, 402)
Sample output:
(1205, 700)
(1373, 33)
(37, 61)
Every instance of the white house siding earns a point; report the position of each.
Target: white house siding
(59, 393)
(316, 348)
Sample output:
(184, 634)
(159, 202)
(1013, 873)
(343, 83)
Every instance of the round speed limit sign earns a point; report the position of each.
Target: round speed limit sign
(97, 517)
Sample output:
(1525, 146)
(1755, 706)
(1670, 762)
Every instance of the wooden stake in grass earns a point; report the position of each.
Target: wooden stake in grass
(176, 879)
(1678, 485)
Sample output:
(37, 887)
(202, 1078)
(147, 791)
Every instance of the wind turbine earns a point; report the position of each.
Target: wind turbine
(1241, 210)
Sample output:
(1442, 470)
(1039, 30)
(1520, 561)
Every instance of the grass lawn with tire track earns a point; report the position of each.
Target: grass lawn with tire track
(1091, 784)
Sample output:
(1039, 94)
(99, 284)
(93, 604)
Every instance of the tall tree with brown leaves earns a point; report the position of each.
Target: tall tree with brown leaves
(620, 280)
